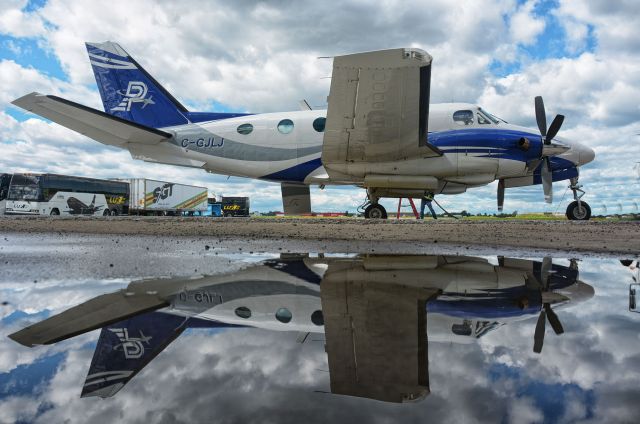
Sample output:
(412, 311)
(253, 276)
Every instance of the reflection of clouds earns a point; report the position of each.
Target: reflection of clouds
(248, 375)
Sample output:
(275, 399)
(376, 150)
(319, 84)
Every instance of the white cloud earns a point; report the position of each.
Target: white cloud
(524, 26)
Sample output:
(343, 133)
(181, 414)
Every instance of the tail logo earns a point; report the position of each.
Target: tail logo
(131, 346)
(136, 93)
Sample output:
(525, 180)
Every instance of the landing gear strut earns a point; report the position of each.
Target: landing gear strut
(577, 210)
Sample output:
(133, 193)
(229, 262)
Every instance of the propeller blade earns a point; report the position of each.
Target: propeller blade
(500, 194)
(545, 269)
(553, 319)
(541, 116)
(547, 180)
(554, 128)
(538, 336)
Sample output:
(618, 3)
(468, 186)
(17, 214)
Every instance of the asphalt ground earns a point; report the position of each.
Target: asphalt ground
(599, 237)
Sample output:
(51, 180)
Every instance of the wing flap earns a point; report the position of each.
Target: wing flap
(378, 107)
(102, 127)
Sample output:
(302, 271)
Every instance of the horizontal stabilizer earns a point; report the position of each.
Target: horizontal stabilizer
(100, 126)
(95, 313)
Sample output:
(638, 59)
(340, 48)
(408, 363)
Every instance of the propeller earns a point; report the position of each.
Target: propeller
(548, 148)
(500, 194)
(547, 312)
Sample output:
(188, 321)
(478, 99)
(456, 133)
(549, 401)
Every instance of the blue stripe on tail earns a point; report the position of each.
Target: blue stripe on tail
(129, 92)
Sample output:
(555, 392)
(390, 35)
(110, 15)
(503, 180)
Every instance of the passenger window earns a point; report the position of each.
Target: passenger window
(283, 315)
(482, 119)
(245, 129)
(318, 124)
(463, 117)
(285, 126)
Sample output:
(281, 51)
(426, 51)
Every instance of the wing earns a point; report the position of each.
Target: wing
(100, 126)
(378, 107)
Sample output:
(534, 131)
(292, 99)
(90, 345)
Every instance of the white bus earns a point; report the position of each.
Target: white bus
(51, 194)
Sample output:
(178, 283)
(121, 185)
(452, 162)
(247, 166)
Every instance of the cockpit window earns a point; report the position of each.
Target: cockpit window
(463, 117)
(483, 119)
(491, 117)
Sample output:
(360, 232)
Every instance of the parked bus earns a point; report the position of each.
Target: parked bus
(51, 194)
(5, 179)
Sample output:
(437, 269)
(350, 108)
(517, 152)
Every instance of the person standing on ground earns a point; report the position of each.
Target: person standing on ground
(426, 201)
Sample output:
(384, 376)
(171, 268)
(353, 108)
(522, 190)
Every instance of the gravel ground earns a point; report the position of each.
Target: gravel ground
(567, 236)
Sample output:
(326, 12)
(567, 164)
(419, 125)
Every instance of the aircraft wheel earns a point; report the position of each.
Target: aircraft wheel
(106, 212)
(577, 213)
(375, 211)
(54, 211)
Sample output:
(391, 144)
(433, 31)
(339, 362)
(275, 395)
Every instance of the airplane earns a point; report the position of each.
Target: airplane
(77, 207)
(375, 313)
(379, 132)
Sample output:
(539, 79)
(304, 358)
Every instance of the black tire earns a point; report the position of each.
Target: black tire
(114, 212)
(106, 212)
(574, 213)
(375, 211)
(227, 214)
(54, 212)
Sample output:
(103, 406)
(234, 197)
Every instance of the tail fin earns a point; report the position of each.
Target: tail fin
(129, 92)
(124, 348)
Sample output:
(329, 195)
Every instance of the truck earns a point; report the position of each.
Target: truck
(153, 197)
(235, 206)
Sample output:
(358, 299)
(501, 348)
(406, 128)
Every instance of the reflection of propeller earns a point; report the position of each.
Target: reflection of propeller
(547, 312)
(548, 148)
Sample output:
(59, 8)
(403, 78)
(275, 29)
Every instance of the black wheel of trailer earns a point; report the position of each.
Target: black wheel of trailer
(54, 212)
(577, 212)
(375, 211)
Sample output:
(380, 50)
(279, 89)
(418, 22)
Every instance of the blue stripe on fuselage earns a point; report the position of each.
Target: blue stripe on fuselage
(295, 173)
(494, 142)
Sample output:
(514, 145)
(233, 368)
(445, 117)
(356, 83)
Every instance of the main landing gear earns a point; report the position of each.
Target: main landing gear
(374, 209)
(578, 210)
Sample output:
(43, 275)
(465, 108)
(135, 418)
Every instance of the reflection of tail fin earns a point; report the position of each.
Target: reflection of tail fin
(93, 202)
(129, 92)
(126, 347)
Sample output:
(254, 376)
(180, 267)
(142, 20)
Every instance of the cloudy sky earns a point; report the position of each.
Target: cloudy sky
(582, 56)
(589, 374)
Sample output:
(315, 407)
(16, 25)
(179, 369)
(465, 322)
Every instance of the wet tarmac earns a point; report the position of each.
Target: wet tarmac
(149, 329)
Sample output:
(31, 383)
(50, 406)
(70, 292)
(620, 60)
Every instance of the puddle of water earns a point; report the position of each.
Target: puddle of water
(340, 337)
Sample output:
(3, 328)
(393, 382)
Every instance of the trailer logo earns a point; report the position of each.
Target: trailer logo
(162, 192)
(131, 346)
(136, 93)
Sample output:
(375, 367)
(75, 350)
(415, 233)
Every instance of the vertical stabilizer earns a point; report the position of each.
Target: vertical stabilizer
(129, 92)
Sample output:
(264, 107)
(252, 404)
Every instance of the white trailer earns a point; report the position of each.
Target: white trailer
(148, 197)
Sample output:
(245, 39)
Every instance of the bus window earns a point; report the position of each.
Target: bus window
(24, 187)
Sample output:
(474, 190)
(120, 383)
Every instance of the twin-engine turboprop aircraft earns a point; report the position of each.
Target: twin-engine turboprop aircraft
(379, 132)
(376, 313)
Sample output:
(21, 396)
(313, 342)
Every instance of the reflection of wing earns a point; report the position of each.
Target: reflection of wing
(378, 107)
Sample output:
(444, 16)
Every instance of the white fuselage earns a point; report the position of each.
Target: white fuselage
(268, 153)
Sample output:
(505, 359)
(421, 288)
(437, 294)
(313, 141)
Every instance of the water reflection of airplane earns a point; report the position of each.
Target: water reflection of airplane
(375, 313)
(77, 207)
